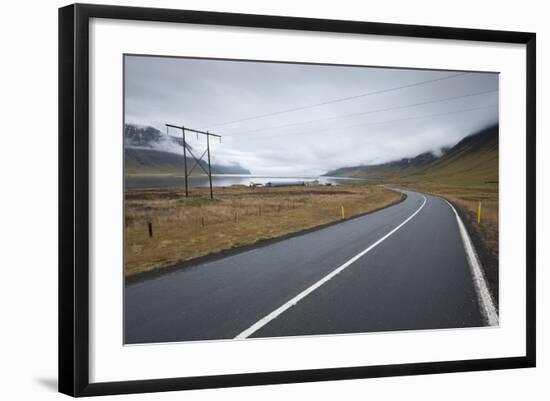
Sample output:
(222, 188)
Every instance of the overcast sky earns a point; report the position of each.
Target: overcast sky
(292, 119)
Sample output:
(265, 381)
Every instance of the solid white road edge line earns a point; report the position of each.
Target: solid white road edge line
(486, 303)
(265, 320)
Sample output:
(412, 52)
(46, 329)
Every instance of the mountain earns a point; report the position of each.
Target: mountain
(151, 138)
(380, 170)
(149, 151)
(473, 159)
(149, 161)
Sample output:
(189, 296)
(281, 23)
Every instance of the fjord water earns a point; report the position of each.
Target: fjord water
(223, 180)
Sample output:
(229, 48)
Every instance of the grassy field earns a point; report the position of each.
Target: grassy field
(185, 229)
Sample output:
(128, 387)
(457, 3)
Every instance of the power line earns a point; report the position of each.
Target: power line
(370, 112)
(337, 100)
(374, 123)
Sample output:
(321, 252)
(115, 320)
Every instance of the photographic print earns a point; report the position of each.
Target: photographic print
(269, 199)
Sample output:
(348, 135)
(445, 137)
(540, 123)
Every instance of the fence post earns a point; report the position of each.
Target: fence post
(479, 213)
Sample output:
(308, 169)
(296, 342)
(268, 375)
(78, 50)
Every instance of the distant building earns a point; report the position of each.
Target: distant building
(285, 184)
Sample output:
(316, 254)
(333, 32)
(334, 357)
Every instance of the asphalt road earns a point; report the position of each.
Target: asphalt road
(418, 277)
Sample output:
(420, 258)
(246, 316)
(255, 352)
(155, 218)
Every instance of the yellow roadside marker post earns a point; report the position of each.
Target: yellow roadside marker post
(343, 213)
(479, 213)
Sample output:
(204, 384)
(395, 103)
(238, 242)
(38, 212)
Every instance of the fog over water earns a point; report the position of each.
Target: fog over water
(297, 119)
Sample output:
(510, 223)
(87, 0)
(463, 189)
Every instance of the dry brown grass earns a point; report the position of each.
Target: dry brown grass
(185, 229)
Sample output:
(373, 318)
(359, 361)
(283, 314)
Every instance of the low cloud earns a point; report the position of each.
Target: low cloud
(389, 125)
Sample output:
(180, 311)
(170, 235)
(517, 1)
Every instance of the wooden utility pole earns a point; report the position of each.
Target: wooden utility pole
(197, 160)
(209, 168)
(185, 161)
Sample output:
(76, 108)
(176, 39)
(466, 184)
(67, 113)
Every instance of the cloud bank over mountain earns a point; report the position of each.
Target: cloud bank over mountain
(297, 119)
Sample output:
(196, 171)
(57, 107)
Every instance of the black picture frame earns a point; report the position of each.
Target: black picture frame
(74, 191)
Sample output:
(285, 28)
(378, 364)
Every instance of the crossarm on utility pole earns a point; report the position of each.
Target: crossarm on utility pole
(193, 130)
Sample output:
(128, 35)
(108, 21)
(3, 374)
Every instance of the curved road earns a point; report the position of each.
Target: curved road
(346, 278)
